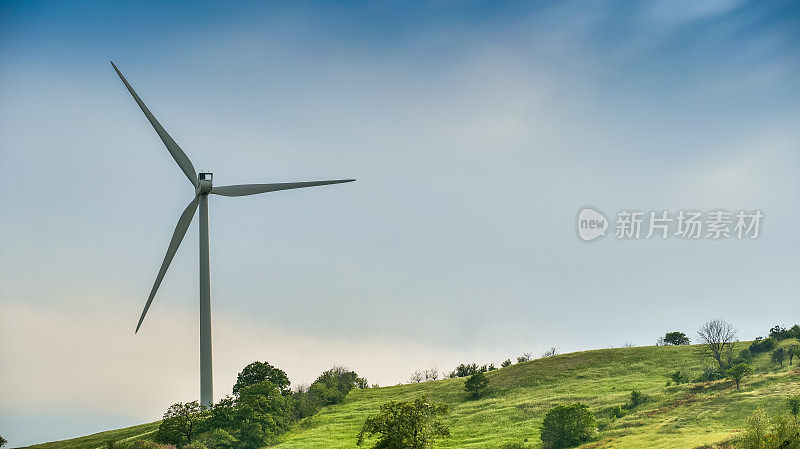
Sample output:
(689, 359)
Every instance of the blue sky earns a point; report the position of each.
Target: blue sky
(476, 131)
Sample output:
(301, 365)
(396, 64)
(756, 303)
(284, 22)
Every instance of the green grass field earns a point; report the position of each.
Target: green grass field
(512, 409)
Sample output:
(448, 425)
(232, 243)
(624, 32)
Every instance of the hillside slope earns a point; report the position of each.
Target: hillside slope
(685, 416)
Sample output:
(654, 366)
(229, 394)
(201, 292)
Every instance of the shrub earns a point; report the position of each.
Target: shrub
(680, 377)
(514, 445)
(3, 441)
(218, 439)
(738, 372)
(506, 362)
(550, 352)
(476, 384)
(760, 345)
(412, 425)
(332, 386)
(195, 445)
(637, 398)
(745, 355)
(755, 434)
(181, 423)
(568, 425)
(258, 372)
(618, 411)
(794, 406)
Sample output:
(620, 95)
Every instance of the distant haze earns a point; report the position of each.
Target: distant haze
(477, 131)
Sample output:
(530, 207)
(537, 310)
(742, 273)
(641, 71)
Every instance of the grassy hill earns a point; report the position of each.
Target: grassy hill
(511, 411)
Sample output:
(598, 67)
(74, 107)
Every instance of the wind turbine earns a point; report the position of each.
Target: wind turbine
(202, 188)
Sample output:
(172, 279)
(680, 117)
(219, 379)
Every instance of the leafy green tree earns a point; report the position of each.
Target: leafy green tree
(778, 356)
(568, 425)
(738, 372)
(332, 386)
(254, 418)
(476, 383)
(794, 406)
(793, 351)
(181, 423)
(406, 425)
(258, 372)
(2, 441)
(676, 338)
(506, 362)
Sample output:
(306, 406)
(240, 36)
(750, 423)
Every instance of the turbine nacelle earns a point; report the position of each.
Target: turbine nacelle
(204, 183)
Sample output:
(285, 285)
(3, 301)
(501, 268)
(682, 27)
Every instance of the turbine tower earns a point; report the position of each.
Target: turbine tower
(203, 186)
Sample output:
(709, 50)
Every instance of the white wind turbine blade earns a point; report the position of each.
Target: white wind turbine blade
(180, 157)
(177, 237)
(253, 189)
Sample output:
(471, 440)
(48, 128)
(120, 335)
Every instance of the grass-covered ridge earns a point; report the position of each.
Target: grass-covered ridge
(511, 410)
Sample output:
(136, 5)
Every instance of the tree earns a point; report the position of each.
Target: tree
(253, 418)
(778, 356)
(550, 353)
(676, 339)
(717, 338)
(793, 351)
(794, 406)
(416, 377)
(431, 374)
(738, 372)
(568, 425)
(181, 423)
(332, 386)
(506, 362)
(476, 383)
(2, 441)
(406, 425)
(260, 371)
(524, 357)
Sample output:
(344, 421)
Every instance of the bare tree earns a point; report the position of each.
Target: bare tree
(416, 377)
(524, 357)
(431, 374)
(550, 352)
(717, 338)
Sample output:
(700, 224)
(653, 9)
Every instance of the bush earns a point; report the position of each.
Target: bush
(506, 362)
(218, 439)
(760, 345)
(762, 433)
(476, 384)
(568, 425)
(680, 377)
(3, 441)
(618, 411)
(332, 386)
(794, 406)
(637, 398)
(413, 425)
